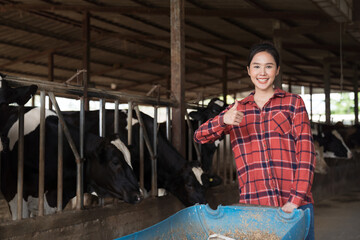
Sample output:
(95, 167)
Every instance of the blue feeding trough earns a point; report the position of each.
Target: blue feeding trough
(200, 222)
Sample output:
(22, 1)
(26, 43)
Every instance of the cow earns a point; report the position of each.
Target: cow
(185, 180)
(106, 170)
(331, 140)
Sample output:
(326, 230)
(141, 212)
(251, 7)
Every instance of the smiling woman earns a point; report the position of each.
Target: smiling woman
(270, 137)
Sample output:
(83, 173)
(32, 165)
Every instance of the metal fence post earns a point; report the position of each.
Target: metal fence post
(116, 117)
(42, 154)
(154, 159)
(60, 169)
(20, 177)
(129, 122)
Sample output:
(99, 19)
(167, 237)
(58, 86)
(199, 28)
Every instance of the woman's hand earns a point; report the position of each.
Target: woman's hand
(289, 207)
(233, 116)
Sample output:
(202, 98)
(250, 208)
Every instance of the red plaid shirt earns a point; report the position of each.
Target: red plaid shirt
(273, 149)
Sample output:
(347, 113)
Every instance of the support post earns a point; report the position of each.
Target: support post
(327, 90)
(356, 95)
(278, 44)
(86, 55)
(50, 72)
(311, 102)
(177, 37)
(225, 77)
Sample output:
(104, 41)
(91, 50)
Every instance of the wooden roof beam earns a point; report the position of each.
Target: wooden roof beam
(128, 64)
(321, 28)
(154, 80)
(232, 13)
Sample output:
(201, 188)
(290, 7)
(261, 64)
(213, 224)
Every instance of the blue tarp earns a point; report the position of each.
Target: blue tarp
(238, 222)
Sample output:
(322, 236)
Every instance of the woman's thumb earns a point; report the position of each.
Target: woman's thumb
(235, 104)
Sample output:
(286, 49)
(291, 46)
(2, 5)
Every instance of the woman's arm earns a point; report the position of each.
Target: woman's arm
(218, 126)
(305, 155)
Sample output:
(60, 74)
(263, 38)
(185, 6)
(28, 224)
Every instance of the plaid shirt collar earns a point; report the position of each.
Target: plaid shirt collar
(250, 99)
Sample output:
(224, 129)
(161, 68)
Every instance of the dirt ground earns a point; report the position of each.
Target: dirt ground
(338, 218)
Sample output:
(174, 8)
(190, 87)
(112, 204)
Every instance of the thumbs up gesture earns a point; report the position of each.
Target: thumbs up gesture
(233, 116)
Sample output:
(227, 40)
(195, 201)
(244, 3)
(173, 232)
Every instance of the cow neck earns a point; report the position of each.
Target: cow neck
(167, 151)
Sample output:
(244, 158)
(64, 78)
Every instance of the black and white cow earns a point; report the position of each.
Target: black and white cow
(105, 168)
(185, 180)
(333, 143)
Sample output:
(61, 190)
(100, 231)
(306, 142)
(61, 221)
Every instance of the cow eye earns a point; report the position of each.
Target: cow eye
(115, 161)
(189, 185)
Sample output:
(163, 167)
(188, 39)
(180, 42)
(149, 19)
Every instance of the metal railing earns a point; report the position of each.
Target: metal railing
(64, 88)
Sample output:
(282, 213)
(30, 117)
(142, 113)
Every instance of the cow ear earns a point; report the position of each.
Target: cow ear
(97, 149)
(196, 115)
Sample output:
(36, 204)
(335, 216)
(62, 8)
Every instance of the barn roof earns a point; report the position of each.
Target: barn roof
(130, 41)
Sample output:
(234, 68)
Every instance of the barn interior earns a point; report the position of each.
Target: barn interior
(175, 53)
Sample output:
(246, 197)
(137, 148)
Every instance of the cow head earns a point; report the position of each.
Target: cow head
(191, 183)
(19, 95)
(110, 175)
(214, 107)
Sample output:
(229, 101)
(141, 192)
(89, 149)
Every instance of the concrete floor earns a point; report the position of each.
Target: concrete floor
(338, 218)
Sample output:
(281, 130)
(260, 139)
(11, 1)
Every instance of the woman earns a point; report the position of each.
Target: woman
(271, 139)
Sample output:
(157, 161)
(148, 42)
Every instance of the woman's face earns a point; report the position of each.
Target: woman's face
(262, 71)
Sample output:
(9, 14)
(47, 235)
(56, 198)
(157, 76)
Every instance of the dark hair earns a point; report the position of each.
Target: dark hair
(264, 47)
